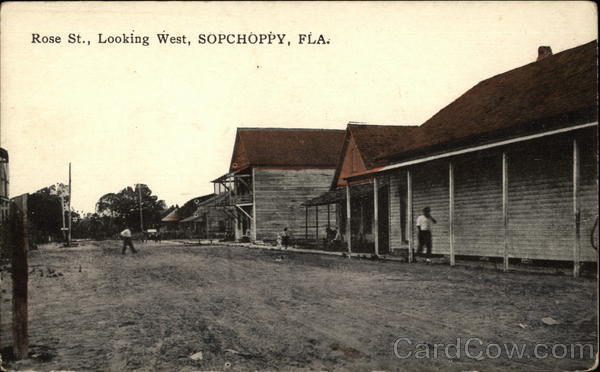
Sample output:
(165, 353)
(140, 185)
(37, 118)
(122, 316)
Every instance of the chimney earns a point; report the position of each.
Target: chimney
(543, 52)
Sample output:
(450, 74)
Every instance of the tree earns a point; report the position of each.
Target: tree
(45, 212)
(123, 208)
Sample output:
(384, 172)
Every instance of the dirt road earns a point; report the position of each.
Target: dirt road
(248, 309)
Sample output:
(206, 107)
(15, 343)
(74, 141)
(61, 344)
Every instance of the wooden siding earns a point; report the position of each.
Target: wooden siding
(540, 202)
(278, 196)
(478, 221)
(588, 149)
(397, 188)
(540, 199)
(430, 189)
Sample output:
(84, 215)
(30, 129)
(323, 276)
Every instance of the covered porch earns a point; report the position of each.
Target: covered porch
(363, 207)
(235, 195)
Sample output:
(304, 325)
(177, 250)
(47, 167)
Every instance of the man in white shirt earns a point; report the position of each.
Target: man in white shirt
(424, 225)
(126, 235)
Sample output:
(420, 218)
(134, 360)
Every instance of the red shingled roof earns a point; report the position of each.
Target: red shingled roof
(555, 91)
(376, 141)
(282, 147)
(373, 143)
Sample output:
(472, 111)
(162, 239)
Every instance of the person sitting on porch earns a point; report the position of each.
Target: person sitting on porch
(338, 238)
(247, 238)
(329, 237)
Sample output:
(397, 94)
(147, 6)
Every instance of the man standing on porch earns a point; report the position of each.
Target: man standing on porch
(424, 224)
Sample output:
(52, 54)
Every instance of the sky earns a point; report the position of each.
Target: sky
(166, 115)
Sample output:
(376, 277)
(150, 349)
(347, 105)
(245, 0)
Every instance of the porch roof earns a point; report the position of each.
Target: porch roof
(339, 195)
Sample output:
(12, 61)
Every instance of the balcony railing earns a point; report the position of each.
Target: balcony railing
(241, 199)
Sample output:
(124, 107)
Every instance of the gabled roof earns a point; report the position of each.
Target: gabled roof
(556, 91)
(173, 216)
(377, 141)
(191, 205)
(282, 147)
(374, 142)
(167, 211)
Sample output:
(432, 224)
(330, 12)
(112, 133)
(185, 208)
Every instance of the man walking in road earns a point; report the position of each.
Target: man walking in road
(126, 235)
(424, 225)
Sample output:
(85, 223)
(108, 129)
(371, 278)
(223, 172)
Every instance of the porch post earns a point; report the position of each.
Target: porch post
(328, 215)
(409, 218)
(376, 215)
(576, 209)
(505, 207)
(317, 224)
(451, 210)
(20, 277)
(206, 225)
(348, 221)
(306, 224)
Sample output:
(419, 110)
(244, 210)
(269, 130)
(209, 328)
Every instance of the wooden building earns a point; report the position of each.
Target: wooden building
(4, 197)
(210, 220)
(363, 149)
(178, 219)
(272, 172)
(509, 169)
(170, 222)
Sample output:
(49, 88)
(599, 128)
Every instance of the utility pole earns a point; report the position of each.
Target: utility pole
(62, 209)
(69, 206)
(141, 215)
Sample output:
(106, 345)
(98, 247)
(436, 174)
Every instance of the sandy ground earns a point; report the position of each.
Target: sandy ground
(251, 309)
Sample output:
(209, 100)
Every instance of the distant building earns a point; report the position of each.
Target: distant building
(272, 172)
(171, 219)
(210, 220)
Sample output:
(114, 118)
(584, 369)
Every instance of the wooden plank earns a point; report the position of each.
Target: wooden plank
(588, 193)
(395, 205)
(243, 211)
(348, 221)
(376, 215)
(576, 210)
(20, 243)
(451, 211)
(279, 196)
(540, 210)
(505, 208)
(409, 206)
